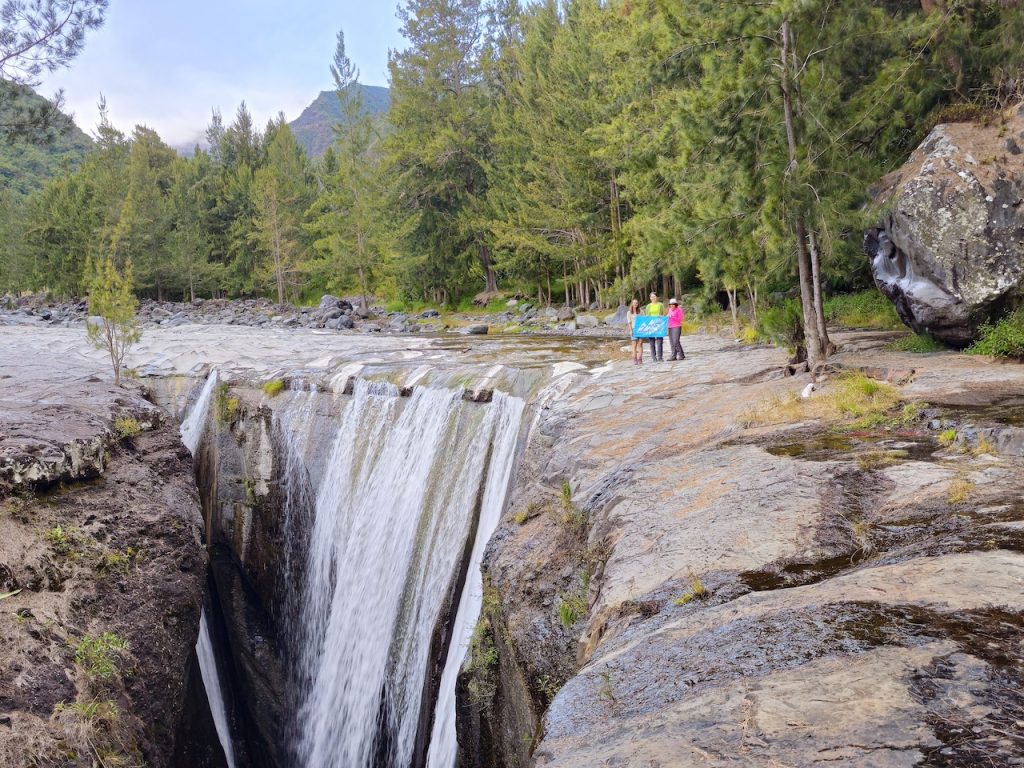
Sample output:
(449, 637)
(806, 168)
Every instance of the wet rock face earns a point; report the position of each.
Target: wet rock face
(950, 252)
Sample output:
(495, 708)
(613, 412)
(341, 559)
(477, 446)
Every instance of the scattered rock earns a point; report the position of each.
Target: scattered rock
(477, 330)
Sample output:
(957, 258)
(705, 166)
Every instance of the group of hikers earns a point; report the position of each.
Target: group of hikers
(675, 329)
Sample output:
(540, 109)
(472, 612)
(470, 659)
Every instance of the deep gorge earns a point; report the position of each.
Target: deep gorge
(346, 533)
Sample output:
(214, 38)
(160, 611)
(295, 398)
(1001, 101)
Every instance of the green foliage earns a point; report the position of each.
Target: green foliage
(947, 437)
(868, 309)
(127, 427)
(572, 605)
(1002, 339)
(112, 302)
(917, 342)
(782, 324)
(100, 656)
(27, 162)
(61, 539)
(581, 151)
(273, 388)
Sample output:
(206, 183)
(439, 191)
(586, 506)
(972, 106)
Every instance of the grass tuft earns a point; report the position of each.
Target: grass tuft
(947, 437)
(852, 398)
(867, 309)
(697, 591)
(878, 459)
(918, 343)
(100, 656)
(959, 490)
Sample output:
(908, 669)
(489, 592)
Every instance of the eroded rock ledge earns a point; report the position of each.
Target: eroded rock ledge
(101, 572)
(671, 588)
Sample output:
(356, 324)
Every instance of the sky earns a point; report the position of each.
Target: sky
(166, 65)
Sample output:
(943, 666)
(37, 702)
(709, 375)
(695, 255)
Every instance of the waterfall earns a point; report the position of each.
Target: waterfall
(211, 680)
(389, 528)
(192, 428)
(444, 746)
(195, 421)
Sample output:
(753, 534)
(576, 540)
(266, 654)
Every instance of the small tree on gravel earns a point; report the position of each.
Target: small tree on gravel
(111, 325)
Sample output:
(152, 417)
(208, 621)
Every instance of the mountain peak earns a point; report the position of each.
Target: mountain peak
(314, 128)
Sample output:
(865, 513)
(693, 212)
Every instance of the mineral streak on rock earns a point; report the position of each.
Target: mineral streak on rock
(949, 252)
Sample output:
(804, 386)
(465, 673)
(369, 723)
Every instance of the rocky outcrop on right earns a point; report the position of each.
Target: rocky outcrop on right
(688, 576)
(949, 253)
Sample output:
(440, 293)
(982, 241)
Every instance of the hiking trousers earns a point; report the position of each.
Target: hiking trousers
(657, 348)
(677, 347)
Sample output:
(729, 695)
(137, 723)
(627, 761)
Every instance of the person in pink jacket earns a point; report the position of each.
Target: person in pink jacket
(675, 328)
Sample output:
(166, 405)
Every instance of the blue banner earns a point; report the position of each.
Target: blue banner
(650, 326)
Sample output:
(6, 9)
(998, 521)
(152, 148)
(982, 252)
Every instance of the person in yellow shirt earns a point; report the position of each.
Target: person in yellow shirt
(657, 344)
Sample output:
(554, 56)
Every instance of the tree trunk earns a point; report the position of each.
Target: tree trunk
(819, 307)
(734, 309)
(363, 287)
(485, 261)
(816, 350)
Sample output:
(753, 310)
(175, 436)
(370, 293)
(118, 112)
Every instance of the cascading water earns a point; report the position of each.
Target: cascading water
(191, 432)
(444, 746)
(211, 680)
(194, 423)
(392, 514)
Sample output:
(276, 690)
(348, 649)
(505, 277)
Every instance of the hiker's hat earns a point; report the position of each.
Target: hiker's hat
(673, 301)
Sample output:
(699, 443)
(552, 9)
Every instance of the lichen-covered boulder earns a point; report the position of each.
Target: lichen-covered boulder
(949, 252)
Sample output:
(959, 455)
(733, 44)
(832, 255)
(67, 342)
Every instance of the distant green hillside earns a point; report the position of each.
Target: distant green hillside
(26, 165)
(314, 128)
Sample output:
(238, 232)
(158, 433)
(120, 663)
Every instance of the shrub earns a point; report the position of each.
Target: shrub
(867, 309)
(100, 656)
(917, 342)
(1003, 339)
(126, 427)
(947, 437)
(272, 388)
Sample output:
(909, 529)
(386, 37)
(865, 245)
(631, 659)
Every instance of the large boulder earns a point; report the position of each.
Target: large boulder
(619, 317)
(950, 251)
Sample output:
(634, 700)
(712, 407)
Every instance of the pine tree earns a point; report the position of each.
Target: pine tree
(279, 193)
(112, 326)
(437, 153)
(348, 213)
